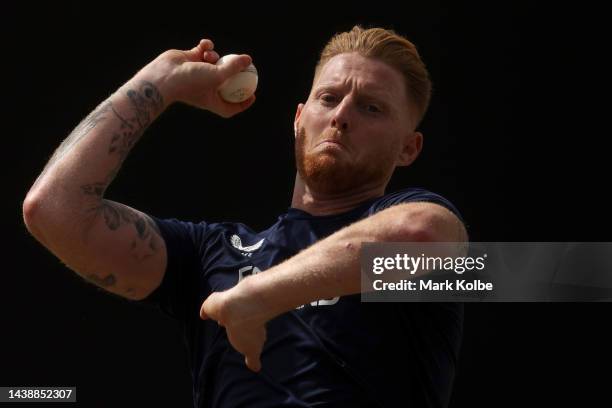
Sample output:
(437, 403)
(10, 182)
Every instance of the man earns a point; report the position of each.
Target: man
(273, 318)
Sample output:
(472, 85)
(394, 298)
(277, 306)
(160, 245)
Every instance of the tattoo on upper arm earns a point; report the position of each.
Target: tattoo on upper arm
(94, 189)
(146, 241)
(105, 282)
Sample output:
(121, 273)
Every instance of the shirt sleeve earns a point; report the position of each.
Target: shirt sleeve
(413, 195)
(178, 293)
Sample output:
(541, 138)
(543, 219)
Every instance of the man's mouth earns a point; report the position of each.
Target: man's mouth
(331, 142)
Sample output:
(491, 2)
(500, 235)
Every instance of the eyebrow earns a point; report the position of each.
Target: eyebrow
(372, 92)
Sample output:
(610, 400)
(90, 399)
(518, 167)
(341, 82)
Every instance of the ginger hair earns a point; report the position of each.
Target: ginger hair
(391, 48)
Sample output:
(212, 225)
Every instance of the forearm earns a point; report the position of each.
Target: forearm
(325, 270)
(113, 245)
(84, 165)
(328, 268)
(81, 169)
(332, 266)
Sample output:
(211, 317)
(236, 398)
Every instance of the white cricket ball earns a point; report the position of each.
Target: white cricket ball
(241, 86)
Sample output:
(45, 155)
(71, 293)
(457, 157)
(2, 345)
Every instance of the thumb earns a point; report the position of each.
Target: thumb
(254, 363)
(232, 64)
(203, 314)
(206, 309)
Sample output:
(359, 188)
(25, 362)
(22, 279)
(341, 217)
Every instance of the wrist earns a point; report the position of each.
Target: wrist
(159, 74)
(252, 291)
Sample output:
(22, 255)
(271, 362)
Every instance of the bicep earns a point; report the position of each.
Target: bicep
(122, 250)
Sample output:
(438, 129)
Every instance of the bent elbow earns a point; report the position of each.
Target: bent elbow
(30, 209)
(428, 225)
(422, 234)
(34, 217)
(419, 233)
(411, 226)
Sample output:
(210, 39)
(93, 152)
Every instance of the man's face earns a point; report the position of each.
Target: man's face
(356, 126)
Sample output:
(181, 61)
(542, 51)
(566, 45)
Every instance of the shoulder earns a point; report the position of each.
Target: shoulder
(202, 235)
(174, 229)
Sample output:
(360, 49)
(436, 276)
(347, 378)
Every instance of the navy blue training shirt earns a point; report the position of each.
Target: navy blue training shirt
(331, 353)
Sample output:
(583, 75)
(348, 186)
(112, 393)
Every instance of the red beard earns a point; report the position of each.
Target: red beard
(328, 173)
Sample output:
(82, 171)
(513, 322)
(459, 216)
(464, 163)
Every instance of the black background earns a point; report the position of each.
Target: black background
(513, 137)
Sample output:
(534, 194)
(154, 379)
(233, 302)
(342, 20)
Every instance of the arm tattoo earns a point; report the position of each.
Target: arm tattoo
(145, 241)
(105, 282)
(146, 101)
(94, 189)
(90, 122)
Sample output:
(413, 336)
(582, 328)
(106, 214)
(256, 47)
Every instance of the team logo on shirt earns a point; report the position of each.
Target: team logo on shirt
(323, 302)
(246, 250)
(247, 271)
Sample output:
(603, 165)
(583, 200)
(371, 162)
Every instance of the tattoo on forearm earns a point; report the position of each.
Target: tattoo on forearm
(83, 129)
(146, 101)
(90, 122)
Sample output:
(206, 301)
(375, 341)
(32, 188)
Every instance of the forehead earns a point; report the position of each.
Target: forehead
(366, 74)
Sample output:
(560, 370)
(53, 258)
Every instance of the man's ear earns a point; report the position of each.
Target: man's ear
(411, 149)
(298, 113)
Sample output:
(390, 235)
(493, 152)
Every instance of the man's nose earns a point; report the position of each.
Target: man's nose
(340, 125)
(341, 118)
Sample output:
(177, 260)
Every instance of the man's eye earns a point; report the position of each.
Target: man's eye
(372, 108)
(328, 98)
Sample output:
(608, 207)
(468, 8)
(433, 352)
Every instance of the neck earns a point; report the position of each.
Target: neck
(317, 203)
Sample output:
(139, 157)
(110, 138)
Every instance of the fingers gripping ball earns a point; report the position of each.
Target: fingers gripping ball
(241, 86)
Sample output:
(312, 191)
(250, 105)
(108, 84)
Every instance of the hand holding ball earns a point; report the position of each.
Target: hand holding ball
(241, 86)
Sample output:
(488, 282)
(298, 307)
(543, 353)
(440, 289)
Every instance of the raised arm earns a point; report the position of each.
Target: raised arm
(110, 244)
